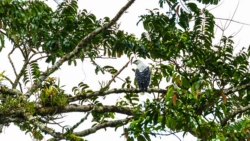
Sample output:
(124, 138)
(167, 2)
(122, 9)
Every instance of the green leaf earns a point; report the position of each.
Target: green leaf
(185, 82)
(163, 122)
(147, 136)
(156, 116)
(169, 93)
(193, 7)
(197, 85)
(130, 139)
(141, 138)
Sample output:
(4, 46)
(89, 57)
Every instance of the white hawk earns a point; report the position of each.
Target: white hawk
(142, 75)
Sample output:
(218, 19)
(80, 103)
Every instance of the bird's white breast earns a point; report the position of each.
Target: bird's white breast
(141, 67)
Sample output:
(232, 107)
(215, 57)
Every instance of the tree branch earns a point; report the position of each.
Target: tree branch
(78, 48)
(160, 134)
(231, 20)
(234, 113)
(235, 89)
(23, 69)
(5, 90)
(11, 62)
(7, 120)
(114, 76)
(84, 108)
(43, 127)
(78, 123)
(112, 91)
(114, 123)
(7, 78)
(19, 75)
(77, 108)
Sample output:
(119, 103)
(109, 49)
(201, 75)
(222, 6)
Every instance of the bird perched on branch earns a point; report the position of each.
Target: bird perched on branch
(142, 75)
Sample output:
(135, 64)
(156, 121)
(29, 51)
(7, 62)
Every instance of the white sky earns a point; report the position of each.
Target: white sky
(85, 72)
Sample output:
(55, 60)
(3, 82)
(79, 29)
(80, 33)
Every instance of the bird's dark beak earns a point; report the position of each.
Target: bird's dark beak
(135, 62)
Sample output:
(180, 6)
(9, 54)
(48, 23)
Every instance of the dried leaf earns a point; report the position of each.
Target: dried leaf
(174, 98)
(177, 10)
(178, 81)
(126, 133)
(224, 97)
(197, 93)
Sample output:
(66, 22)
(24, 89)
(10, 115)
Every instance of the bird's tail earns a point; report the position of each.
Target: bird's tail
(143, 91)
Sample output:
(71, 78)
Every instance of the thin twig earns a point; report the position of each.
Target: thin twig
(56, 2)
(23, 69)
(170, 133)
(238, 31)
(34, 55)
(233, 15)
(124, 81)
(113, 123)
(114, 76)
(103, 57)
(232, 21)
(24, 56)
(19, 75)
(78, 123)
(38, 59)
(7, 78)
(216, 6)
(11, 62)
(43, 127)
(20, 87)
(121, 79)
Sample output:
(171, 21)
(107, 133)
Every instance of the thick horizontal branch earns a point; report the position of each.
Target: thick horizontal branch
(112, 91)
(43, 127)
(6, 120)
(84, 108)
(7, 91)
(43, 111)
(114, 123)
(134, 90)
(235, 89)
(78, 48)
(234, 113)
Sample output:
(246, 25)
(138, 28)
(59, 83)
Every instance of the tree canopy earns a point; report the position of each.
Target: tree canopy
(205, 85)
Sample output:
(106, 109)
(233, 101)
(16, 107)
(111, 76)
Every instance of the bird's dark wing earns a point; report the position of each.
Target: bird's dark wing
(143, 78)
(146, 77)
(139, 78)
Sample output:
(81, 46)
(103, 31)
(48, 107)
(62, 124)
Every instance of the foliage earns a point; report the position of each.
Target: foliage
(52, 95)
(205, 86)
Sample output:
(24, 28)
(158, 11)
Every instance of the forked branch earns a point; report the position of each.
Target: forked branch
(78, 48)
(234, 113)
(114, 123)
(114, 76)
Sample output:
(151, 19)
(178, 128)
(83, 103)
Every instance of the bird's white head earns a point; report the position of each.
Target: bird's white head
(140, 65)
(137, 62)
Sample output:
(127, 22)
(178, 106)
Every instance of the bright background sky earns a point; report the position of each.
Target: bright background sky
(84, 72)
